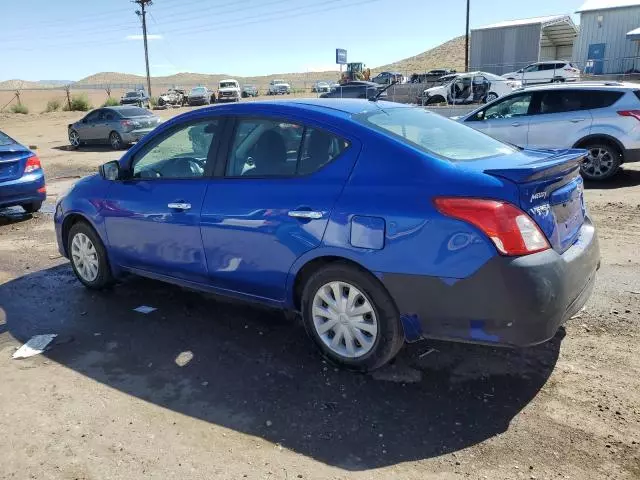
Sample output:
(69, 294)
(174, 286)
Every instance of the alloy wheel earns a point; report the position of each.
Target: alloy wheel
(598, 162)
(85, 257)
(115, 141)
(74, 138)
(344, 319)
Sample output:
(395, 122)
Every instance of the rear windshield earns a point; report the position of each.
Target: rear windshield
(134, 112)
(5, 139)
(434, 134)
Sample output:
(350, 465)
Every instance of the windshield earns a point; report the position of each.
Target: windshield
(276, 82)
(132, 94)
(5, 139)
(227, 85)
(198, 90)
(434, 134)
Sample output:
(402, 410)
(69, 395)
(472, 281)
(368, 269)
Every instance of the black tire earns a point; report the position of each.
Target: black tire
(104, 277)
(491, 96)
(74, 144)
(31, 207)
(390, 335)
(115, 140)
(594, 172)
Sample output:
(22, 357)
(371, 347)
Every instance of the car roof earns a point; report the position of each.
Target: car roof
(340, 107)
(583, 86)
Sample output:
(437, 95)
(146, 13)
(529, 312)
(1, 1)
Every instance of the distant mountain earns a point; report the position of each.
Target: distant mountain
(448, 55)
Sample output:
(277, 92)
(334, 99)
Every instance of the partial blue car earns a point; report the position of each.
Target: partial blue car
(378, 223)
(22, 180)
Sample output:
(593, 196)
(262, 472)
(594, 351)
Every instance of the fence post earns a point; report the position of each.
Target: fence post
(108, 90)
(18, 97)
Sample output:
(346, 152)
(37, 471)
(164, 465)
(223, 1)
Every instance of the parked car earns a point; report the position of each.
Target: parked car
(320, 87)
(138, 98)
(199, 96)
(21, 176)
(430, 76)
(459, 237)
(385, 78)
(117, 126)
(599, 117)
(355, 89)
(279, 87)
(228, 90)
(472, 87)
(171, 97)
(249, 91)
(545, 72)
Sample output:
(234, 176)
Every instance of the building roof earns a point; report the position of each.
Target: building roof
(591, 5)
(548, 20)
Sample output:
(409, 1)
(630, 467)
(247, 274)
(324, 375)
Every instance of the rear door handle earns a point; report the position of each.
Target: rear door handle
(179, 206)
(515, 124)
(576, 120)
(309, 214)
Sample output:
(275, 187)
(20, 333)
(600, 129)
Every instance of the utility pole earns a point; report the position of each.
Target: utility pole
(143, 14)
(466, 41)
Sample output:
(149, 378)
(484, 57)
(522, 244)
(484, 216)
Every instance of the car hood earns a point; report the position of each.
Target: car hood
(432, 90)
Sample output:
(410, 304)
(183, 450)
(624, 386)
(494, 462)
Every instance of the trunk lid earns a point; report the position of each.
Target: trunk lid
(13, 158)
(550, 189)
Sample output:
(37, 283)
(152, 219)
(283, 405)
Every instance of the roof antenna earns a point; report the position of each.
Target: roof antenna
(377, 95)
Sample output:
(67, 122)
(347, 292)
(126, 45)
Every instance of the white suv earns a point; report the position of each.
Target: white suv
(601, 117)
(279, 87)
(228, 90)
(545, 72)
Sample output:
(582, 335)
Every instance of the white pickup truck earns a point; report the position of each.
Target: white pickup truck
(229, 90)
(279, 87)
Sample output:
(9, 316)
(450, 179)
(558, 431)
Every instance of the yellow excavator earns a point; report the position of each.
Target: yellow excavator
(355, 71)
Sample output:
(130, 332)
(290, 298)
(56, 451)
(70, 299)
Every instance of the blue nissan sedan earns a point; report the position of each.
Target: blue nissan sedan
(376, 222)
(21, 176)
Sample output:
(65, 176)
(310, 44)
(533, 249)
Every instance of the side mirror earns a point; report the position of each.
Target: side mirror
(110, 170)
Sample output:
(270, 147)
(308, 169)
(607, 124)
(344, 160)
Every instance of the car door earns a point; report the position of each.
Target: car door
(102, 125)
(272, 201)
(506, 119)
(87, 127)
(559, 118)
(153, 218)
(531, 74)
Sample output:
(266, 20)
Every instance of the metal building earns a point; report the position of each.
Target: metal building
(507, 46)
(608, 42)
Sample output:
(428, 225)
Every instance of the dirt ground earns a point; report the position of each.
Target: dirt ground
(202, 388)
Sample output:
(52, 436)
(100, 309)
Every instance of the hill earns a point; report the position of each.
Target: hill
(448, 55)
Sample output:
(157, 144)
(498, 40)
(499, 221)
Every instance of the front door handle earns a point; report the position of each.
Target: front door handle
(576, 120)
(515, 124)
(308, 214)
(179, 206)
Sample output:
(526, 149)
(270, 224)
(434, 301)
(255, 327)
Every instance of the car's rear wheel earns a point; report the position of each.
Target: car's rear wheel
(601, 163)
(32, 207)
(351, 317)
(88, 257)
(491, 96)
(115, 140)
(74, 139)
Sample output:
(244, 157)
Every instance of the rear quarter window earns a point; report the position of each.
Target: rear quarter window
(604, 98)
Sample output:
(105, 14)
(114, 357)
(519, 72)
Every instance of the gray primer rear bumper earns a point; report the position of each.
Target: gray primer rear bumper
(513, 301)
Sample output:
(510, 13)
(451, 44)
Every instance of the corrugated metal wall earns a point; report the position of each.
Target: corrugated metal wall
(615, 25)
(564, 52)
(502, 50)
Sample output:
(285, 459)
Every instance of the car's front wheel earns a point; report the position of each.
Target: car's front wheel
(74, 139)
(88, 257)
(351, 317)
(601, 163)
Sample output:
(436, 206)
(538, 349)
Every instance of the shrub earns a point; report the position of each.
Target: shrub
(79, 103)
(53, 105)
(111, 102)
(153, 101)
(19, 108)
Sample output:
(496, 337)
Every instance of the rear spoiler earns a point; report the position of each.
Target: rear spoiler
(554, 166)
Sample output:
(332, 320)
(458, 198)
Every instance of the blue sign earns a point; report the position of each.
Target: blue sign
(341, 56)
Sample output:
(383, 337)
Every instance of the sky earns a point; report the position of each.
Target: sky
(71, 39)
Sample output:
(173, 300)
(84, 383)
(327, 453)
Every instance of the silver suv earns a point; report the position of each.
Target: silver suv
(602, 117)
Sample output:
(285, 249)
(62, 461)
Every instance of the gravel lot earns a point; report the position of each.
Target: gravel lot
(204, 388)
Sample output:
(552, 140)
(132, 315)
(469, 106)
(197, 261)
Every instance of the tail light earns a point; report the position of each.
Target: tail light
(630, 113)
(33, 164)
(510, 229)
